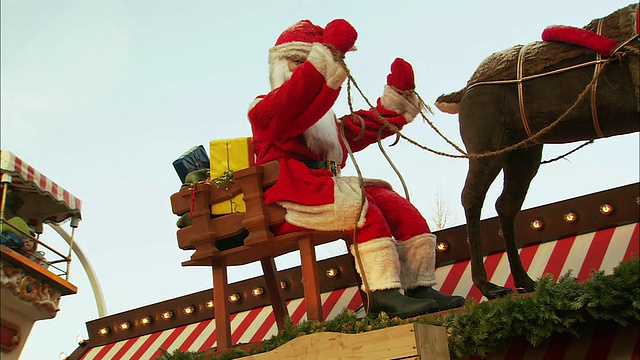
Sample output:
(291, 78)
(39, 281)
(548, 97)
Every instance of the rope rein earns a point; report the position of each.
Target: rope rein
(424, 108)
(594, 93)
(534, 138)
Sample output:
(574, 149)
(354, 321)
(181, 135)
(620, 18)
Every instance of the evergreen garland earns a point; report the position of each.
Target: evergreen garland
(483, 328)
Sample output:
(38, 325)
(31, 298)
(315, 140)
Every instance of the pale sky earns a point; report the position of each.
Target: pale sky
(102, 96)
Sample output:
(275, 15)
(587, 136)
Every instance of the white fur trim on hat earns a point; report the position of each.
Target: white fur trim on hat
(392, 100)
(417, 261)
(322, 58)
(289, 50)
(380, 262)
(341, 215)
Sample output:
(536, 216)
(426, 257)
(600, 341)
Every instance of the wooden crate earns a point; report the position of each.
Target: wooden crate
(410, 341)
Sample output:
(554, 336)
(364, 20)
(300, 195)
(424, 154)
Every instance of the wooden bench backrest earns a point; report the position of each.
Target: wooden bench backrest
(206, 230)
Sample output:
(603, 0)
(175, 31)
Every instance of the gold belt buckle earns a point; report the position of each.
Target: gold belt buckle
(332, 165)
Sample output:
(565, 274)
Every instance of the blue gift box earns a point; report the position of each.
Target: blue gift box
(194, 159)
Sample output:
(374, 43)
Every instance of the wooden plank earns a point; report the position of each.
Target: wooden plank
(220, 305)
(32, 268)
(431, 342)
(310, 280)
(274, 292)
(398, 342)
(181, 200)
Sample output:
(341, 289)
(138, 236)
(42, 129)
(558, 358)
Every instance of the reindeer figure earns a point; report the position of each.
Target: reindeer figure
(543, 92)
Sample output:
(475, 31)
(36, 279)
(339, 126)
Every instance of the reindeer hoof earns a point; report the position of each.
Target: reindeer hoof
(497, 292)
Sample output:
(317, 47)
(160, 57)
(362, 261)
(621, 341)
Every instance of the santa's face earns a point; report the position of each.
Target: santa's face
(293, 63)
(321, 137)
(283, 68)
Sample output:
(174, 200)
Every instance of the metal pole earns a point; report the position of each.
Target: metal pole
(95, 286)
(73, 232)
(5, 185)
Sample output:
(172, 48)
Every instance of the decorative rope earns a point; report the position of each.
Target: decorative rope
(356, 253)
(568, 153)
(534, 138)
(423, 108)
(339, 58)
(192, 191)
(352, 82)
(519, 71)
(393, 166)
(594, 93)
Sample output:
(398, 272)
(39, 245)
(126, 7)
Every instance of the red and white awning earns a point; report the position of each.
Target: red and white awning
(600, 250)
(44, 200)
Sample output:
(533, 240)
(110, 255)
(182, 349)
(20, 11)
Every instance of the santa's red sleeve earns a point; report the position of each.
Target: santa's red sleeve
(295, 106)
(394, 108)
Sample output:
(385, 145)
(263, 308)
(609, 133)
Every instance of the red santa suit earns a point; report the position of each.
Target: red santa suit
(294, 125)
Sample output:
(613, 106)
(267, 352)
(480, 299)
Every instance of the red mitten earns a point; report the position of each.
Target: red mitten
(401, 76)
(340, 34)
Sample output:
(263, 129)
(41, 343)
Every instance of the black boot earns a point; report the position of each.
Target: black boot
(445, 302)
(392, 302)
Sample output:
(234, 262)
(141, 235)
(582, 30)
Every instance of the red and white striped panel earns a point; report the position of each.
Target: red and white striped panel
(248, 326)
(14, 166)
(602, 250)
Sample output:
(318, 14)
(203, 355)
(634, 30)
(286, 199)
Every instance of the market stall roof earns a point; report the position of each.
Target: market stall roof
(44, 200)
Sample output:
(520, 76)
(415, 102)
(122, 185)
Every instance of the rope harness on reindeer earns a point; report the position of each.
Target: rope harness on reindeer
(594, 88)
(600, 65)
(532, 137)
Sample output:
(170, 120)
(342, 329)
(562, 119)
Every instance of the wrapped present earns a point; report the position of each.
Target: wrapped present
(230, 155)
(194, 159)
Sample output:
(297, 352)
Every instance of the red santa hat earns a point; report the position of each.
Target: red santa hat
(295, 41)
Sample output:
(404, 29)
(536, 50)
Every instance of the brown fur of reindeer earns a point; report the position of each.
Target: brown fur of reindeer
(496, 112)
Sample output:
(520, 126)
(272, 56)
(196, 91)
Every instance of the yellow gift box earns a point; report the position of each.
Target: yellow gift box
(230, 154)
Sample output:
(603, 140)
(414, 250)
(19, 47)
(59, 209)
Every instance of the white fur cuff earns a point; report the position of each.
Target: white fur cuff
(342, 214)
(380, 262)
(417, 260)
(322, 58)
(392, 100)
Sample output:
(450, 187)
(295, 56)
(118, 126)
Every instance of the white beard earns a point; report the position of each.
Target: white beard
(321, 137)
(279, 72)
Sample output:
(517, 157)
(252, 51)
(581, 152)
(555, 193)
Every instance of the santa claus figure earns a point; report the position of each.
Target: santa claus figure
(294, 124)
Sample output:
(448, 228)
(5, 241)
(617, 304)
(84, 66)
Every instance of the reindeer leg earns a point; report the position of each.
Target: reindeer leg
(482, 172)
(520, 168)
(485, 113)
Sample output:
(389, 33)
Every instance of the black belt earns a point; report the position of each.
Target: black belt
(328, 164)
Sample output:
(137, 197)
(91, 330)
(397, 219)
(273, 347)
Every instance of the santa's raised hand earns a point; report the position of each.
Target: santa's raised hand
(340, 35)
(401, 76)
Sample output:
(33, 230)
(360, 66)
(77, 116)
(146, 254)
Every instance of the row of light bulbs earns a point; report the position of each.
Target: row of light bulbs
(571, 217)
(191, 309)
(166, 315)
(538, 224)
(442, 246)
